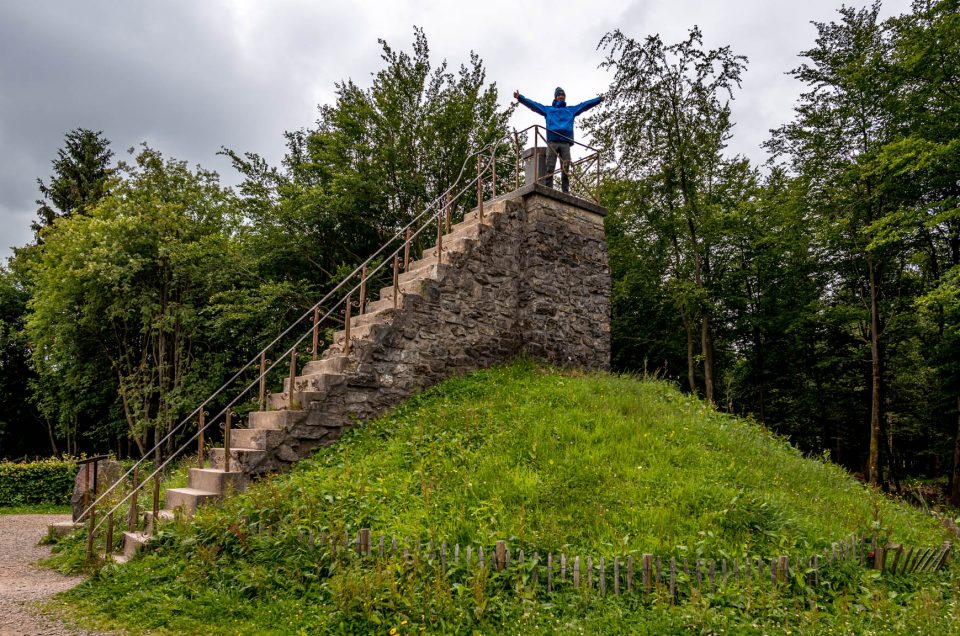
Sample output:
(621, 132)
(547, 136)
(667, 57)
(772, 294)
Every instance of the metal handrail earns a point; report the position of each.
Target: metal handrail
(591, 159)
(440, 204)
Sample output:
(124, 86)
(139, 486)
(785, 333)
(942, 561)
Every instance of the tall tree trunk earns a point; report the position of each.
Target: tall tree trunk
(955, 477)
(706, 344)
(873, 461)
(691, 376)
(891, 455)
(53, 439)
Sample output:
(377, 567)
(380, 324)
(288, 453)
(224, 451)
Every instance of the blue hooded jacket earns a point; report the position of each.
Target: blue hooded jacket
(559, 116)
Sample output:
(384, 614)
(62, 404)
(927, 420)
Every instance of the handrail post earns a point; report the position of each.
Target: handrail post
(346, 328)
(91, 520)
(363, 289)
(439, 238)
(263, 381)
(448, 211)
(86, 486)
(200, 427)
(226, 439)
(536, 155)
(406, 251)
(493, 165)
(293, 374)
(479, 190)
(517, 165)
(396, 278)
(316, 331)
(108, 549)
(91, 510)
(598, 176)
(133, 517)
(156, 495)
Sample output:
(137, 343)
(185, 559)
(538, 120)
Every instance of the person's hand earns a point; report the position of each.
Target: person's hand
(602, 97)
(516, 94)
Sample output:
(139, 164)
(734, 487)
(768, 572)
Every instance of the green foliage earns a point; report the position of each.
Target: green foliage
(667, 121)
(583, 464)
(48, 481)
(80, 174)
(376, 157)
(137, 272)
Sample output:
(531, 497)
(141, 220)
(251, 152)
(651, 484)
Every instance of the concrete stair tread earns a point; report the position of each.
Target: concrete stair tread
(333, 365)
(259, 438)
(383, 315)
(276, 419)
(214, 471)
(193, 491)
(281, 401)
(356, 333)
(431, 270)
(245, 460)
(408, 288)
(134, 542)
(317, 380)
(63, 528)
(452, 245)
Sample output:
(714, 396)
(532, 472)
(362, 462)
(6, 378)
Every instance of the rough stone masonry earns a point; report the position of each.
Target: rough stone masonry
(532, 278)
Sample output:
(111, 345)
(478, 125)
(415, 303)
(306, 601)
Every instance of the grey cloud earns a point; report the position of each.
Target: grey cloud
(189, 77)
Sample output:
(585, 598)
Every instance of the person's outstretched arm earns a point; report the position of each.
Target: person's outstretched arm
(539, 109)
(587, 105)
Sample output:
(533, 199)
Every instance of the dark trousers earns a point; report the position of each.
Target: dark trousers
(561, 148)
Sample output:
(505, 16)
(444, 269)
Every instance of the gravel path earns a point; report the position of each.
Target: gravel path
(23, 583)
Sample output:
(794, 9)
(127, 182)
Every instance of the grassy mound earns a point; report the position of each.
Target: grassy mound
(583, 464)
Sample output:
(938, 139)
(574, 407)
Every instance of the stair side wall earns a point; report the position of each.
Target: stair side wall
(565, 293)
(535, 281)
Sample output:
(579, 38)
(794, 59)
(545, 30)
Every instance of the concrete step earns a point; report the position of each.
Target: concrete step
(134, 542)
(301, 399)
(259, 438)
(372, 317)
(162, 515)
(284, 419)
(451, 245)
(317, 381)
(189, 499)
(385, 303)
(356, 333)
(411, 287)
(214, 480)
(245, 460)
(62, 529)
(333, 365)
(429, 268)
(489, 209)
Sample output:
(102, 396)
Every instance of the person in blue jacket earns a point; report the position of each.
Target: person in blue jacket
(559, 118)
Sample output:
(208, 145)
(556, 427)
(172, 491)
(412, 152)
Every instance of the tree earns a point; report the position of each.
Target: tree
(80, 174)
(375, 158)
(667, 122)
(121, 298)
(840, 124)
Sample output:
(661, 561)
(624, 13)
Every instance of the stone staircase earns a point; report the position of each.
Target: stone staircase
(496, 292)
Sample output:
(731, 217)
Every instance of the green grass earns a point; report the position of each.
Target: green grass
(594, 464)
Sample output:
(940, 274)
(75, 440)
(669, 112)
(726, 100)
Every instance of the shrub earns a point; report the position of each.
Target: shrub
(45, 481)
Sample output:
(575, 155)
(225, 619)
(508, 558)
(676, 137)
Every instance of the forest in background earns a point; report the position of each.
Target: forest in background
(818, 293)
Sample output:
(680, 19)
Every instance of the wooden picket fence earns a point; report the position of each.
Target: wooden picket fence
(623, 574)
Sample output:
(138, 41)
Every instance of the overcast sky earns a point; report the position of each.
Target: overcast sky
(188, 77)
